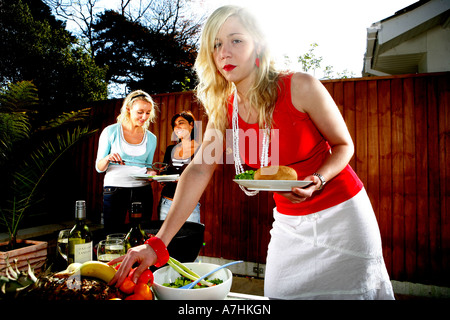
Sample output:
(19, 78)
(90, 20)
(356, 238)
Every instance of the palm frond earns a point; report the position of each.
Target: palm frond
(27, 154)
(14, 120)
(14, 126)
(18, 96)
(66, 118)
(31, 174)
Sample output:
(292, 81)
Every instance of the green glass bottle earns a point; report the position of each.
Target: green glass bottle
(136, 236)
(80, 247)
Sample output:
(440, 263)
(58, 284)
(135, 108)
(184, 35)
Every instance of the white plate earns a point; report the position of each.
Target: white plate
(166, 178)
(161, 178)
(272, 185)
(141, 176)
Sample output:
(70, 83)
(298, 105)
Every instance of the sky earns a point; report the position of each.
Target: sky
(339, 27)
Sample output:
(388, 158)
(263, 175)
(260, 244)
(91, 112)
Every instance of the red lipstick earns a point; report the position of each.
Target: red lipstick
(228, 67)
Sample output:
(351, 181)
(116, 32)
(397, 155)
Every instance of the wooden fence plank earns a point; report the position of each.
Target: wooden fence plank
(349, 112)
(410, 179)
(373, 146)
(398, 232)
(420, 110)
(361, 136)
(338, 96)
(385, 173)
(433, 172)
(444, 176)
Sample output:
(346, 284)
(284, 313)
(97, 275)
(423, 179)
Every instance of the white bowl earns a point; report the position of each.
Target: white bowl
(167, 275)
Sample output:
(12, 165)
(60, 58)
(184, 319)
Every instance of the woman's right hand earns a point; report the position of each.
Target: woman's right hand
(143, 255)
(115, 157)
(103, 164)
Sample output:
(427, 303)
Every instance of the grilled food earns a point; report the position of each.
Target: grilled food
(275, 173)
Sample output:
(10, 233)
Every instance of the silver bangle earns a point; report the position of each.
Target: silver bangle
(322, 179)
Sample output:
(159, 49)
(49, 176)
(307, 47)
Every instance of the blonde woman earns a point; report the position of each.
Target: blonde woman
(325, 242)
(128, 140)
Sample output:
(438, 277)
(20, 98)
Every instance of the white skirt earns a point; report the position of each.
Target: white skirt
(332, 254)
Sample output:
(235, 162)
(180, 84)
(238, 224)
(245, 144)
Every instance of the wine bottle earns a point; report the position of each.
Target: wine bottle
(136, 236)
(80, 237)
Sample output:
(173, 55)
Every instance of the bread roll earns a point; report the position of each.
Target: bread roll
(275, 173)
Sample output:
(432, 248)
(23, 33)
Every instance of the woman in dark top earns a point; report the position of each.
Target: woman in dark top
(178, 156)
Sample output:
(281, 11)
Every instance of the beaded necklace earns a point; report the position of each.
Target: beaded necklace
(237, 158)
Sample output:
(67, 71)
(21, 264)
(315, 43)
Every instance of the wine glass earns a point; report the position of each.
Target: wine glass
(116, 236)
(63, 242)
(110, 249)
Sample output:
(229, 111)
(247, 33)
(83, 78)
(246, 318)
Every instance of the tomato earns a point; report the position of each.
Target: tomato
(131, 273)
(117, 266)
(143, 291)
(127, 286)
(146, 277)
(133, 297)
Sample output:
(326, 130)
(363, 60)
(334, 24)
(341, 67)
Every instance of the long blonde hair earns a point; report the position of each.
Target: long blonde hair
(213, 90)
(124, 116)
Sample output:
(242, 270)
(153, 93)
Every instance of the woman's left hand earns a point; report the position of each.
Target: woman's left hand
(298, 195)
(152, 173)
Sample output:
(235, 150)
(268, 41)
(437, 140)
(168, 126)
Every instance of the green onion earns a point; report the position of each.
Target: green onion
(185, 271)
(182, 281)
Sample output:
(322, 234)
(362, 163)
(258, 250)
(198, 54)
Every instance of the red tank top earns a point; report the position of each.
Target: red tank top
(297, 143)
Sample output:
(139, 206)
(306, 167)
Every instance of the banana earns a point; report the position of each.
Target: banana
(93, 269)
(97, 269)
(69, 271)
(73, 267)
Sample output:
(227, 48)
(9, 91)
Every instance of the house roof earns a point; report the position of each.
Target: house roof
(392, 31)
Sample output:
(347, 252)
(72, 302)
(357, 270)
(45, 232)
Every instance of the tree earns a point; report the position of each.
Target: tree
(80, 13)
(118, 45)
(162, 16)
(39, 49)
(29, 150)
(141, 58)
(147, 44)
(309, 61)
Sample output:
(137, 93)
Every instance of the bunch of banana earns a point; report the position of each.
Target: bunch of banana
(92, 269)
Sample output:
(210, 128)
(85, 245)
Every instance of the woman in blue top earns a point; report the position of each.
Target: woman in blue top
(126, 149)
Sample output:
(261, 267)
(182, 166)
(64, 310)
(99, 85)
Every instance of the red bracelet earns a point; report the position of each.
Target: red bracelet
(160, 249)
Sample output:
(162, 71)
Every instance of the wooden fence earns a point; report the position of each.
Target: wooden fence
(400, 127)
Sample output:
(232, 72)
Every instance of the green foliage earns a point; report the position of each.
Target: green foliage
(29, 150)
(246, 175)
(14, 120)
(310, 62)
(142, 58)
(35, 47)
(17, 97)
(15, 281)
